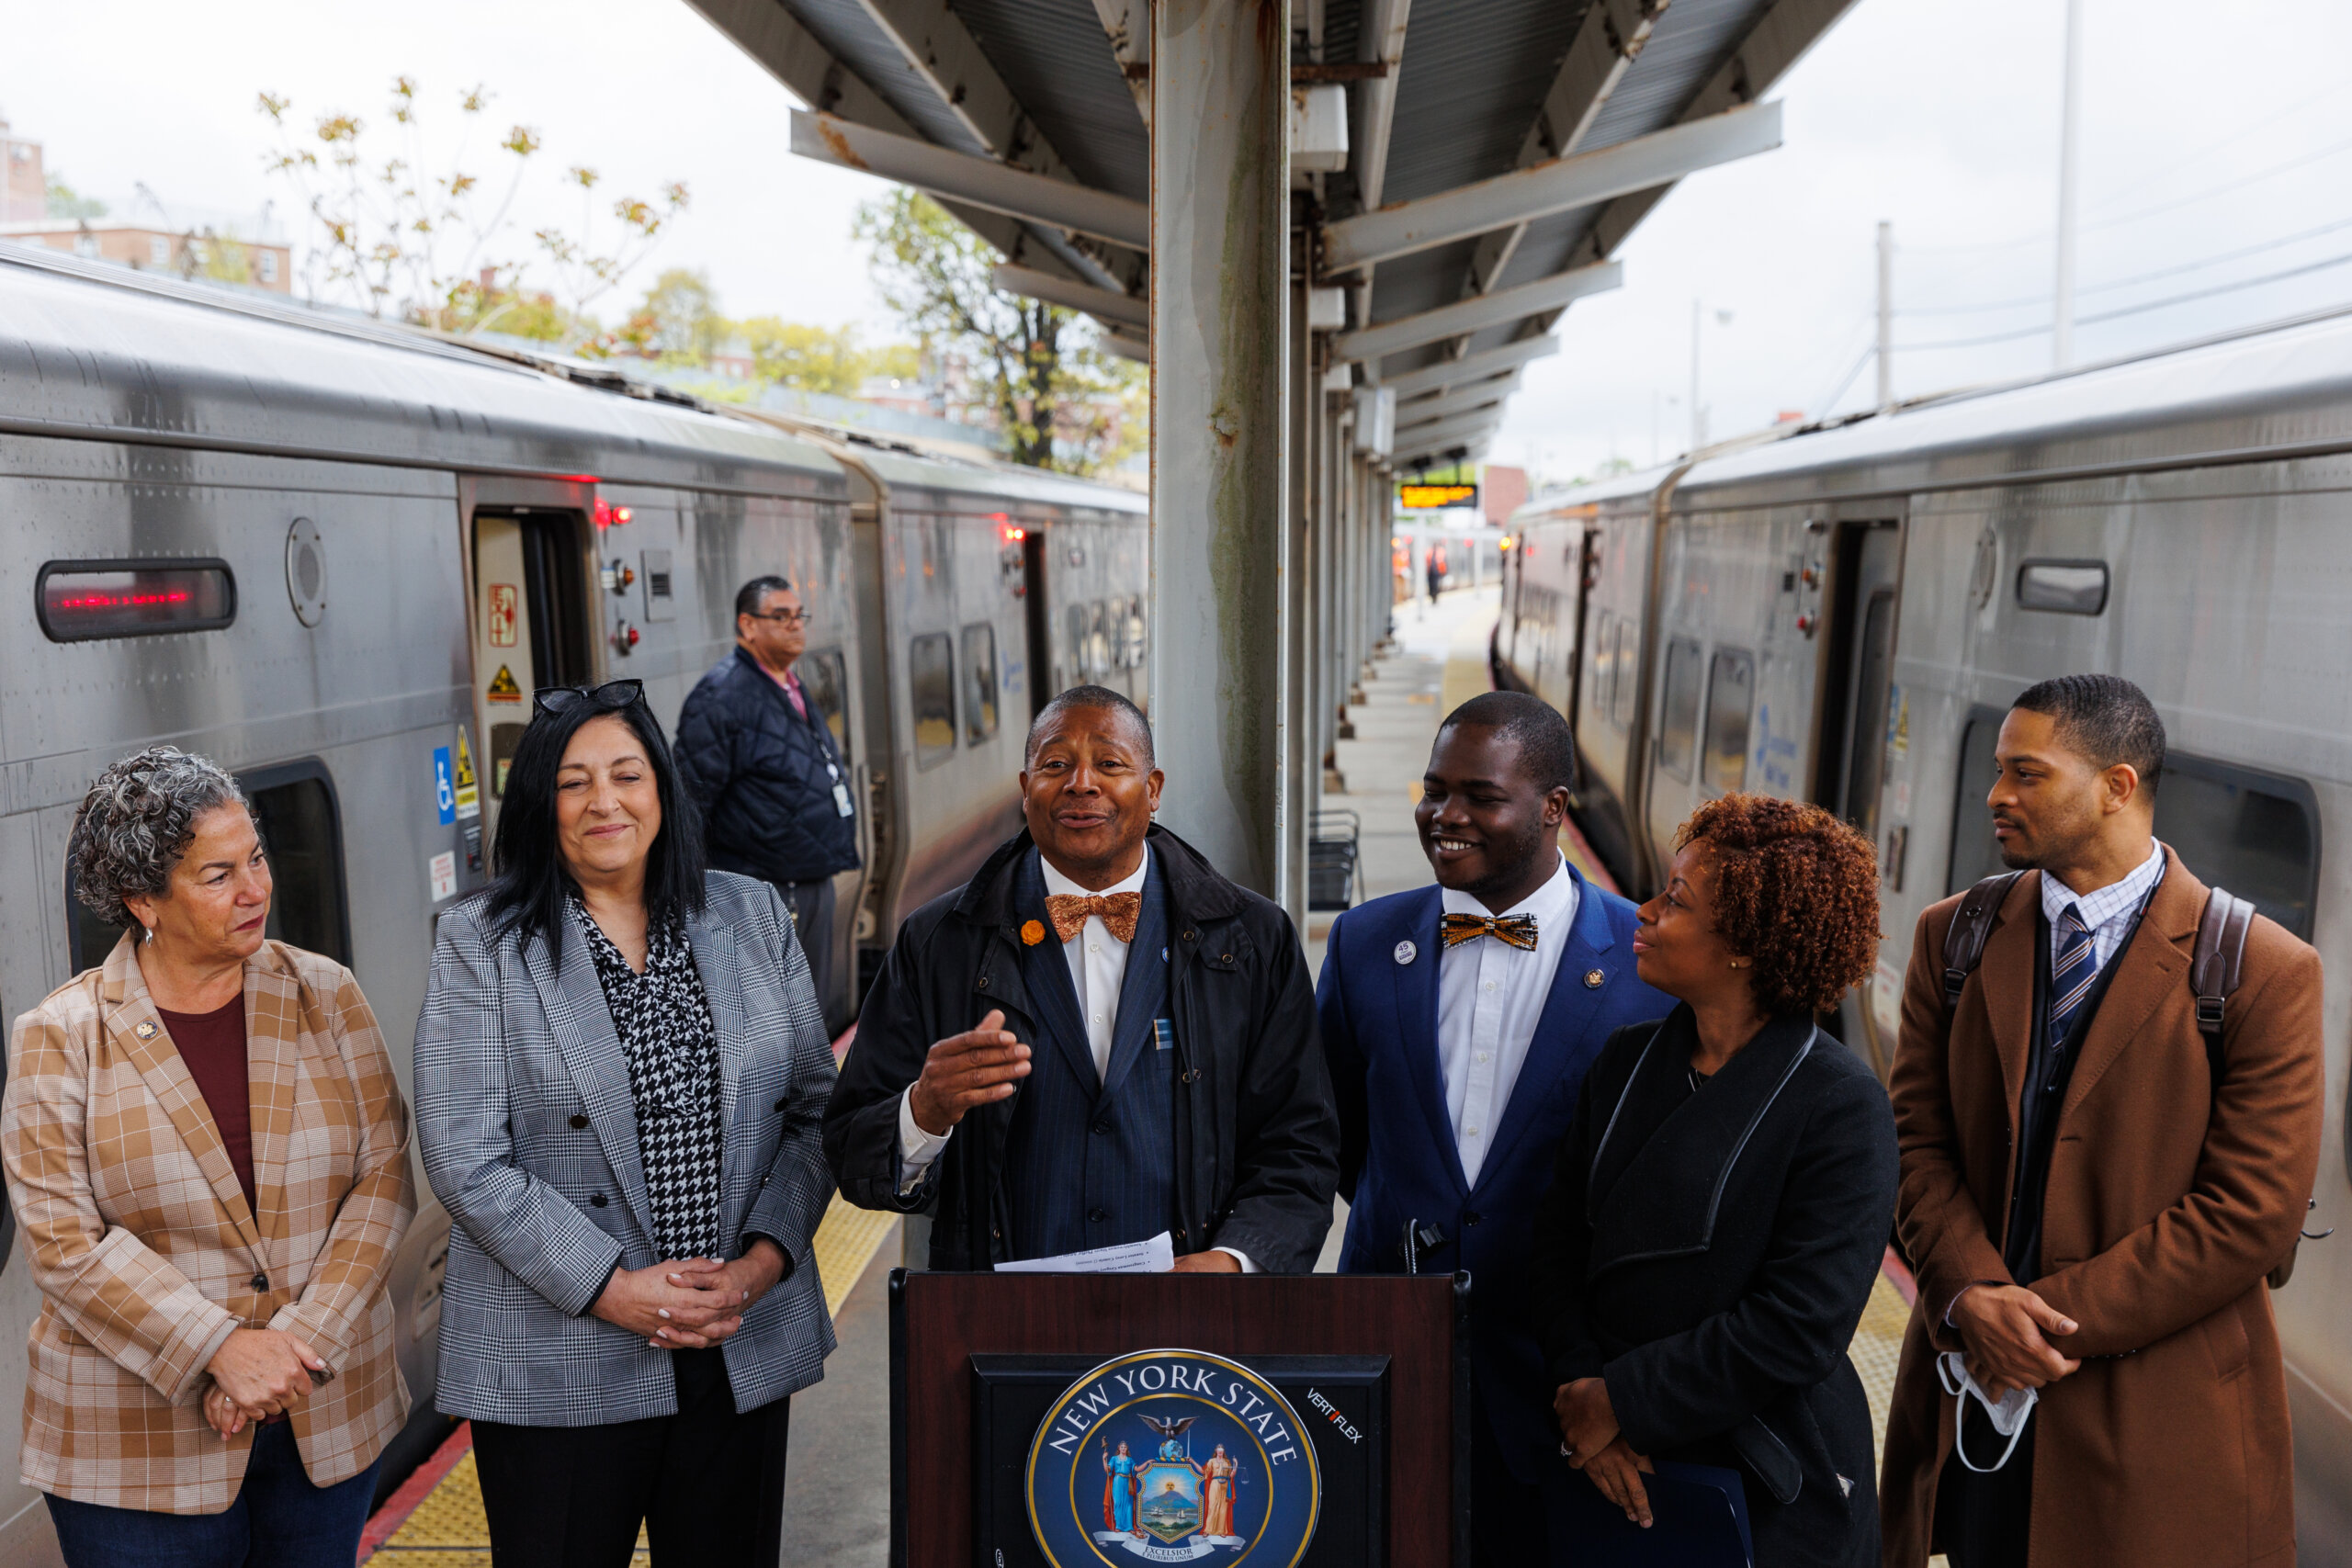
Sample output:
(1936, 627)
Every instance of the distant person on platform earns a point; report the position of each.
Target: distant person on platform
(754, 751)
(2102, 1255)
(1095, 1040)
(1436, 564)
(1458, 1020)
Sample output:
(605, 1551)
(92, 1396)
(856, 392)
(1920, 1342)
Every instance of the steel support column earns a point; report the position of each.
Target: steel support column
(1219, 427)
(1298, 616)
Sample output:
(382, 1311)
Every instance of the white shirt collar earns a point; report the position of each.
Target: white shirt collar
(2102, 904)
(1550, 904)
(1057, 884)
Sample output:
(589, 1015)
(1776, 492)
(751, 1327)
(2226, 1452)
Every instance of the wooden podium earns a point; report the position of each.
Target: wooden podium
(1375, 1368)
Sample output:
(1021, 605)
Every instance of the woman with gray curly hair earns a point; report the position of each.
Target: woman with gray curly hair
(208, 1152)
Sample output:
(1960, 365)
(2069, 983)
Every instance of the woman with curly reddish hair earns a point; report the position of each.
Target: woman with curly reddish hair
(1724, 1196)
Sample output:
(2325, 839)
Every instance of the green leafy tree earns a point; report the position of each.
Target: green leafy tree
(814, 359)
(1059, 399)
(683, 325)
(64, 201)
(433, 247)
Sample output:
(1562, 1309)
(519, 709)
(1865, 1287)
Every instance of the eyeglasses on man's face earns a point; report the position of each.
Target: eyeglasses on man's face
(611, 697)
(781, 617)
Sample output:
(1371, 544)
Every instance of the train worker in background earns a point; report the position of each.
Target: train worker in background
(2093, 1189)
(208, 1152)
(1436, 564)
(756, 755)
(1721, 1201)
(619, 1072)
(1458, 1020)
(1096, 1040)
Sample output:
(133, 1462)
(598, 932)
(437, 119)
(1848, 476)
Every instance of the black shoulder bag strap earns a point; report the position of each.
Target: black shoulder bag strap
(1964, 940)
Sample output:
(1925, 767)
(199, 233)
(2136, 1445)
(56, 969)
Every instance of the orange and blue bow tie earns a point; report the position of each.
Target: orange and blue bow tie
(1118, 912)
(1516, 930)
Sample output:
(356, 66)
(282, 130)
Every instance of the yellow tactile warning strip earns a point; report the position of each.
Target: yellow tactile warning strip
(1877, 1346)
(447, 1531)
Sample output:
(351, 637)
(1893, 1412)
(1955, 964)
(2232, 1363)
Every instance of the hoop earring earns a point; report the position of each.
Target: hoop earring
(1739, 963)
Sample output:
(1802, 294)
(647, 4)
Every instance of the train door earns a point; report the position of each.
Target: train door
(1857, 670)
(530, 627)
(1044, 680)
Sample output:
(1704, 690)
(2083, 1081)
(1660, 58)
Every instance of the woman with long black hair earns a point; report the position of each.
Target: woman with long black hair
(620, 1072)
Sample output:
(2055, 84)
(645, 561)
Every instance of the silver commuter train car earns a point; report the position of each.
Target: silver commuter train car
(1843, 614)
(338, 556)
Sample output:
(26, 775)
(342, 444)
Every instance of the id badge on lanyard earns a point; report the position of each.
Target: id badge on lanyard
(840, 790)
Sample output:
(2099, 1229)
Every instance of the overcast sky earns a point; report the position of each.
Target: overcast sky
(2207, 130)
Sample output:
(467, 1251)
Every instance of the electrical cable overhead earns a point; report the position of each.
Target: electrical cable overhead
(2110, 286)
(2140, 309)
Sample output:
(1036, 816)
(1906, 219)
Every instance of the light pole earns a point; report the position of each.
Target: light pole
(1697, 410)
(2069, 150)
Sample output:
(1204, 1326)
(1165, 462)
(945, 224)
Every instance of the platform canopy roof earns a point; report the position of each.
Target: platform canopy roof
(1497, 151)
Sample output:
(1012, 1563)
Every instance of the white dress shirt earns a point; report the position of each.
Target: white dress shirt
(1098, 964)
(2108, 910)
(1489, 997)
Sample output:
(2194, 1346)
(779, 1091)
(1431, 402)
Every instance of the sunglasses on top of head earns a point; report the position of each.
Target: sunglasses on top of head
(610, 697)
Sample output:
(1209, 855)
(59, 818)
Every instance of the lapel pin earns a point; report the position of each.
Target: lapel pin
(146, 1030)
(1592, 978)
(1406, 952)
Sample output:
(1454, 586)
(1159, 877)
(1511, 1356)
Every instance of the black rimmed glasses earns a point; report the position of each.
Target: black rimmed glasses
(610, 697)
(781, 617)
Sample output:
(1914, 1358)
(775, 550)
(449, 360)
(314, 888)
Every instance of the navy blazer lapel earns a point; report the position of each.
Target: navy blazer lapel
(581, 1022)
(1561, 1043)
(714, 948)
(1044, 975)
(1142, 989)
(1416, 1016)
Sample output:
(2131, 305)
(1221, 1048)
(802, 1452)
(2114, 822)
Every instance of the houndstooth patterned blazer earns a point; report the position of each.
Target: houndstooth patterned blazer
(529, 1134)
(148, 1255)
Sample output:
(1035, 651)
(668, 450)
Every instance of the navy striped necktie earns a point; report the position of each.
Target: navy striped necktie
(2072, 973)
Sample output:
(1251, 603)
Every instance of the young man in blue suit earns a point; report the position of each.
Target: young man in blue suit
(1458, 1022)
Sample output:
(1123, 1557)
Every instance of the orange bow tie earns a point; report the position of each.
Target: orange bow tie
(1517, 930)
(1118, 912)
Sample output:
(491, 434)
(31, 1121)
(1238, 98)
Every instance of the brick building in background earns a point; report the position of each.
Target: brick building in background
(1502, 492)
(214, 250)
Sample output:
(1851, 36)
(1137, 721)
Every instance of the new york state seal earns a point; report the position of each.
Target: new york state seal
(1172, 1456)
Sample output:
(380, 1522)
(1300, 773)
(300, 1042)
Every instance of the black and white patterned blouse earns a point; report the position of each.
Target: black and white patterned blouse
(665, 1024)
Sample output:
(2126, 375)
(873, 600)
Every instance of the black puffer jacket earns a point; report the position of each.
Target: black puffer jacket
(763, 777)
(1258, 1149)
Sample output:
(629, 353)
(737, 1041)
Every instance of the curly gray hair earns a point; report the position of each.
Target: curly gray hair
(137, 822)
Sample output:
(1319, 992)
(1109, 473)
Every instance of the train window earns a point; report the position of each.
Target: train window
(930, 684)
(82, 601)
(2254, 834)
(1974, 854)
(979, 683)
(294, 810)
(1131, 636)
(1625, 686)
(1077, 649)
(824, 675)
(1731, 686)
(2068, 587)
(1098, 641)
(1678, 724)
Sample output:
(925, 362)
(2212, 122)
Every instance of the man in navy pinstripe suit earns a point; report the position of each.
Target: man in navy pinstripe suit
(1458, 1022)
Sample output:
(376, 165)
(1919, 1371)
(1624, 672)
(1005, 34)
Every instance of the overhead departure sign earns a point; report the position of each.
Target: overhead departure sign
(1427, 498)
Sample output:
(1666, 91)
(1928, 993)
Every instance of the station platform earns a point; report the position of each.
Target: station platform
(837, 1497)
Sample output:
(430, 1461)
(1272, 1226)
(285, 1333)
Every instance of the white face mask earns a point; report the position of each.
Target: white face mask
(2007, 1415)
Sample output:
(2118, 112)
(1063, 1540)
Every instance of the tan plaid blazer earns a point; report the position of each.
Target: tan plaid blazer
(148, 1257)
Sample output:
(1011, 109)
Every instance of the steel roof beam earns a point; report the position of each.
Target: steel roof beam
(1457, 372)
(777, 42)
(1450, 432)
(1127, 23)
(1583, 179)
(1461, 399)
(977, 182)
(1477, 313)
(1104, 304)
(1381, 38)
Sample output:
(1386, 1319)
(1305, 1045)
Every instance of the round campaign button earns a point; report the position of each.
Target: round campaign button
(1172, 1456)
(1406, 953)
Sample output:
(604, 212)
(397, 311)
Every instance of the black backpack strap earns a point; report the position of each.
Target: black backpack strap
(1964, 940)
(2215, 969)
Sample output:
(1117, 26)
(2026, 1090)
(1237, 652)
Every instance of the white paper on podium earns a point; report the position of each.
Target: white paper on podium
(1157, 1256)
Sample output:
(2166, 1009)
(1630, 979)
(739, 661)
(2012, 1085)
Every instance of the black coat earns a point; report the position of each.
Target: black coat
(1709, 1255)
(1257, 1137)
(763, 777)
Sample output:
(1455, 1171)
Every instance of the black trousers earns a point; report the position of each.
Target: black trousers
(706, 1483)
(1982, 1520)
(1511, 1522)
(812, 904)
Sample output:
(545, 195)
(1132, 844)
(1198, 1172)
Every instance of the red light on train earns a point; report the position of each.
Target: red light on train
(79, 600)
(1013, 535)
(607, 516)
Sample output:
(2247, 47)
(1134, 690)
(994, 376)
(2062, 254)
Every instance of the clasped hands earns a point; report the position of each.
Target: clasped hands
(1591, 1439)
(691, 1305)
(258, 1373)
(2008, 1330)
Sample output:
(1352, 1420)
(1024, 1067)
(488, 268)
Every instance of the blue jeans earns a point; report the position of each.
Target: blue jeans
(279, 1520)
